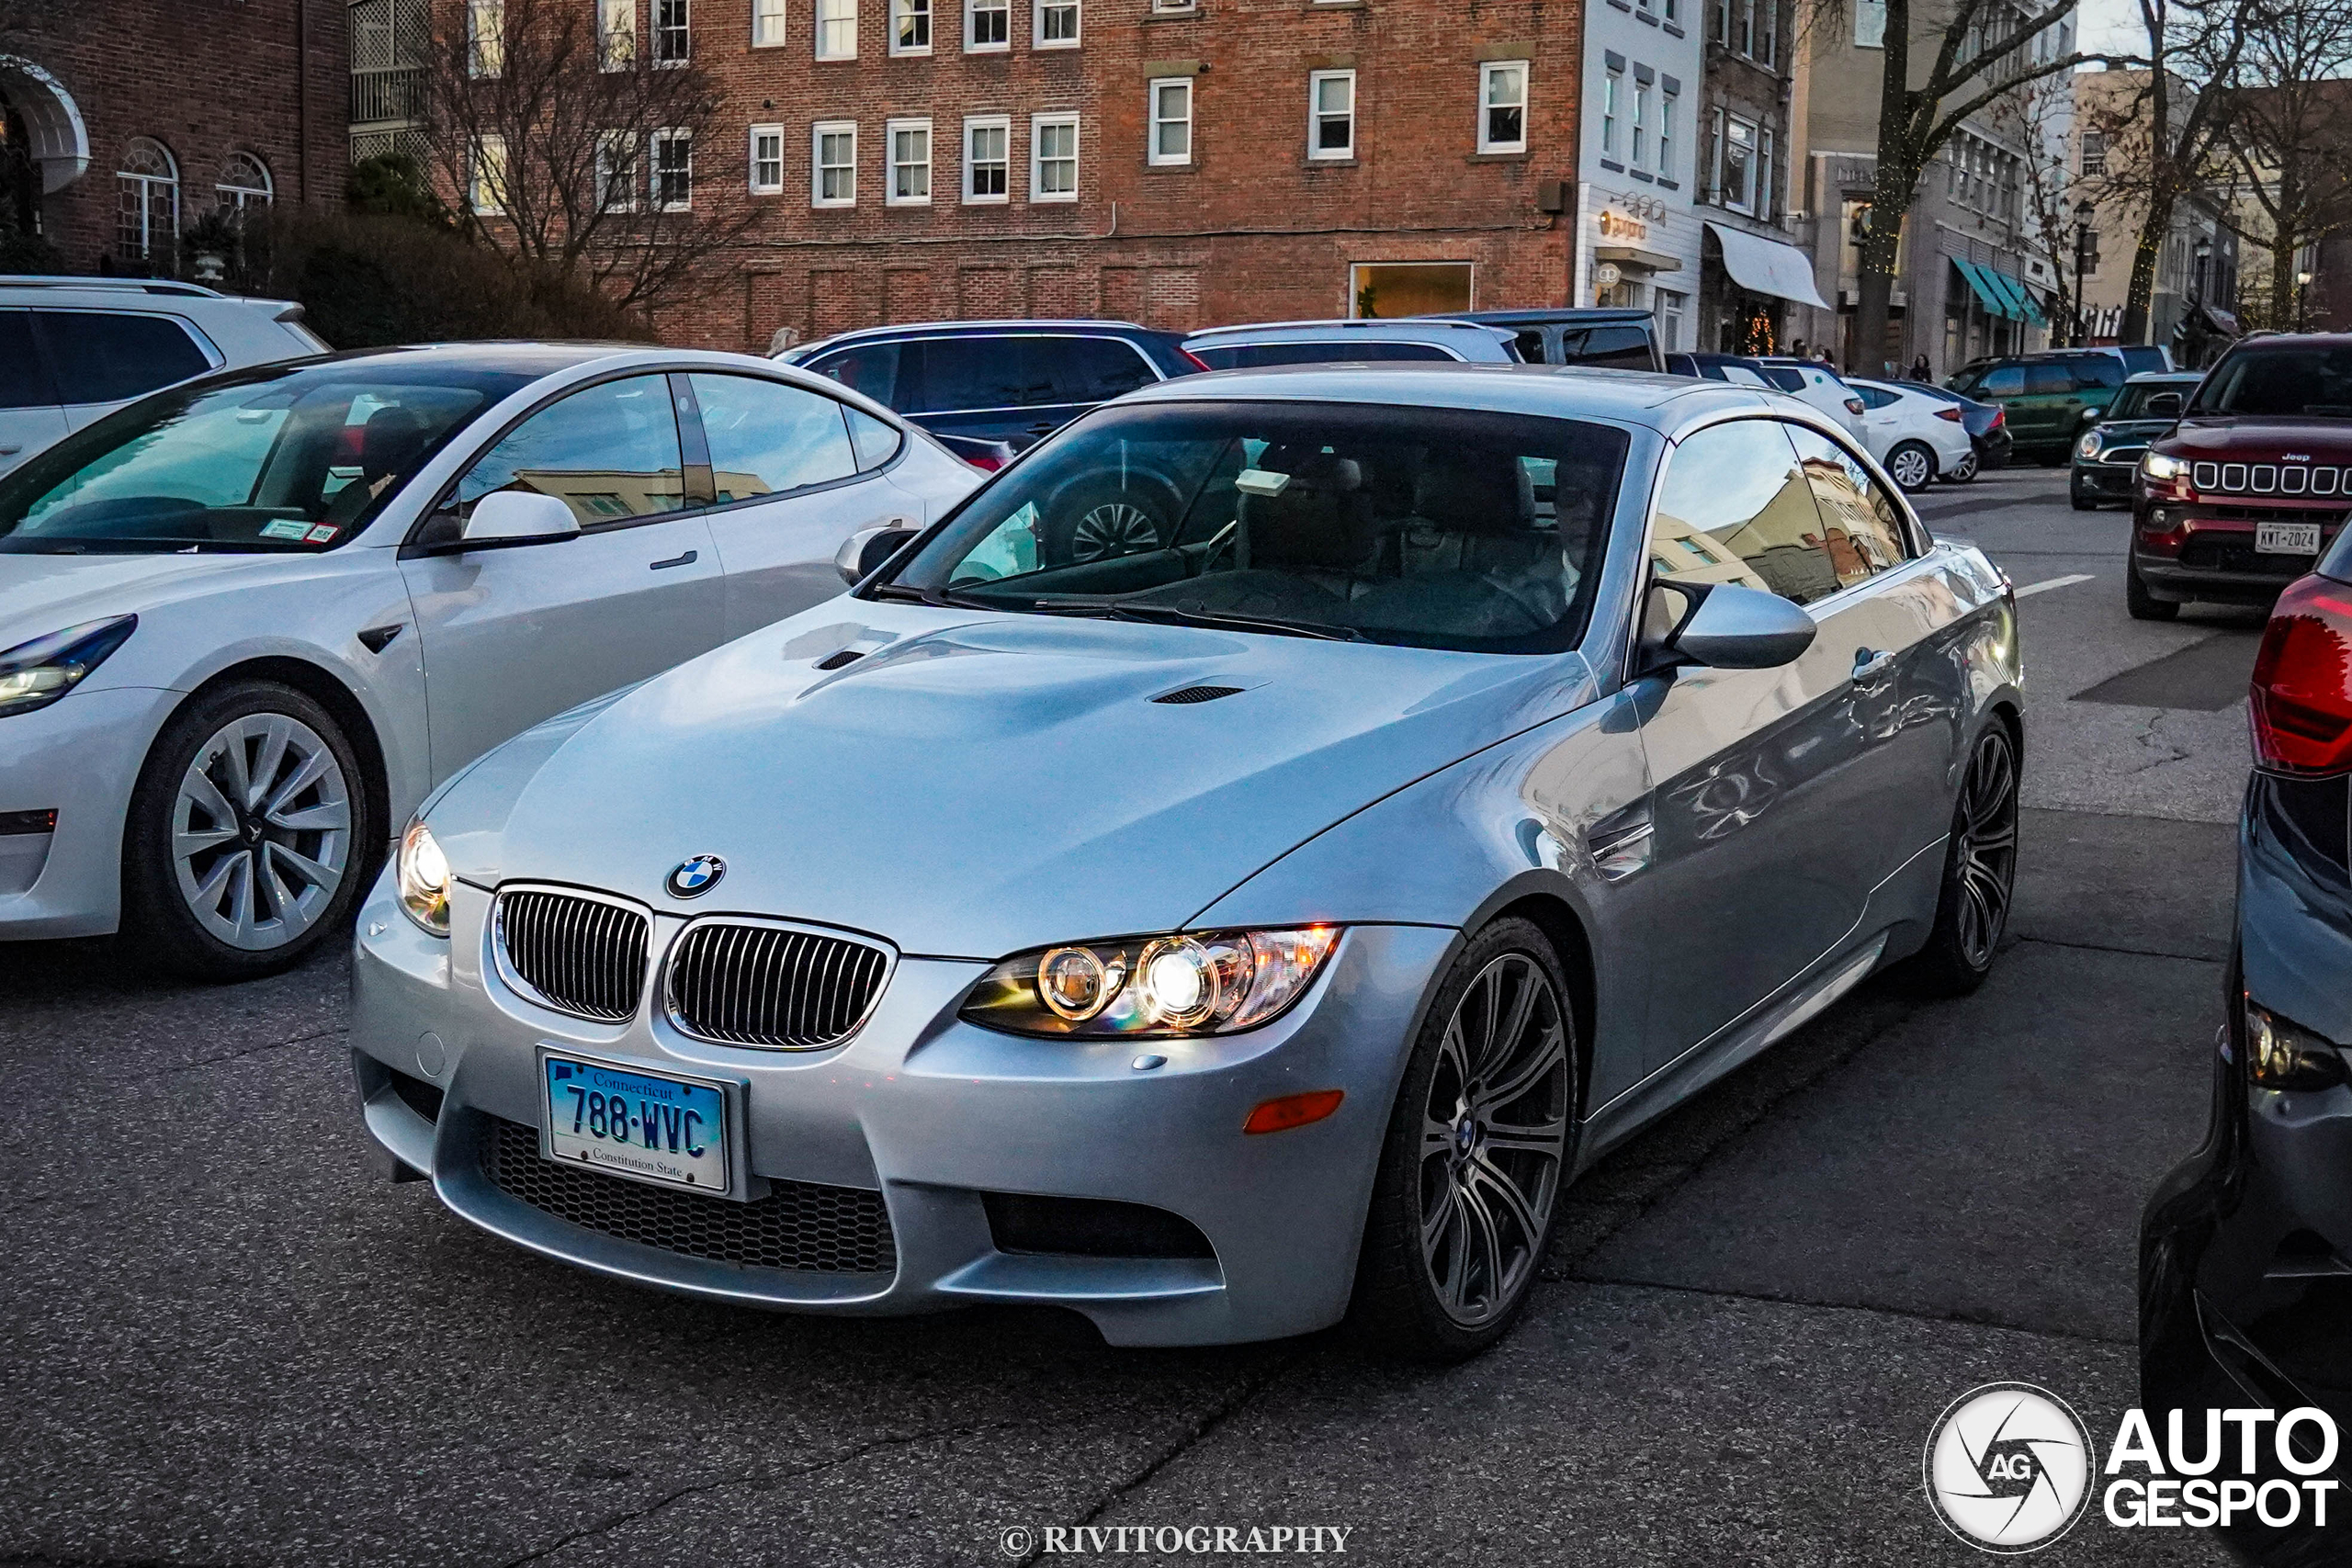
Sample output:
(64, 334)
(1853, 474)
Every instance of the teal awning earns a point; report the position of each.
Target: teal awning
(1989, 294)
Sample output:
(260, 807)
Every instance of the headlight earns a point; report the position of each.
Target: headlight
(2156, 465)
(2088, 444)
(422, 874)
(35, 674)
(1199, 982)
(2285, 1055)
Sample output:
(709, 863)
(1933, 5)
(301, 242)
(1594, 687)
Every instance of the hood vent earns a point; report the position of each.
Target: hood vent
(845, 658)
(1191, 695)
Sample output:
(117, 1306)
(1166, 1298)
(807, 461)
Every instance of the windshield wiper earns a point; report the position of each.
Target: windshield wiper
(937, 598)
(1172, 616)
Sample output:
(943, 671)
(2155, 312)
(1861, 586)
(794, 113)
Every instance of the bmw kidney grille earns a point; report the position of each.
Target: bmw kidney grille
(580, 955)
(740, 983)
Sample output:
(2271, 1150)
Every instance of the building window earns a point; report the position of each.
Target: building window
(1673, 12)
(1869, 24)
(1171, 120)
(1723, 22)
(245, 183)
(1332, 129)
(988, 25)
(1503, 107)
(1671, 308)
(1666, 105)
(837, 30)
(1771, 50)
(673, 170)
(2094, 152)
(767, 24)
(910, 27)
(1057, 24)
(1641, 124)
(1762, 203)
(767, 160)
(909, 144)
(616, 171)
(147, 185)
(486, 175)
(1612, 86)
(833, 168)
(671, 44)
(1053, 157)
(988, 159)
(485, 37)
(616, 33)
(1748, 27)
(1736, 172)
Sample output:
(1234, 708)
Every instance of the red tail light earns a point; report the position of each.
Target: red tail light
(2000, 418)
(1194, 360)
(1953, 415)
(987, 462)
(2302, 701)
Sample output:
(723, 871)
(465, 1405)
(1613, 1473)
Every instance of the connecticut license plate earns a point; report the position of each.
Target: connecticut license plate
(642, 1125)
(2287, 538)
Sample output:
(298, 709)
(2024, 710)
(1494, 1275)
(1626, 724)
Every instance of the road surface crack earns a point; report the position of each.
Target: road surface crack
(2148, 740)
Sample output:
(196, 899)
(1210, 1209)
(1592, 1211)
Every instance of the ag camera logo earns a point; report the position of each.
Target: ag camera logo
(2009, 1467)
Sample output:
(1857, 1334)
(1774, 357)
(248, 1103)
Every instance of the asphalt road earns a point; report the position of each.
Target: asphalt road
(221, 1343)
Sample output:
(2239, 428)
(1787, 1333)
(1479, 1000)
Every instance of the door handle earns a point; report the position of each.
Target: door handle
(1869, 666)
(687, 559)
(1044, 428)
(11, 451)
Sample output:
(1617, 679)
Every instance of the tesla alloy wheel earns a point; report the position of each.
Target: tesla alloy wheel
(1476, 1151)
(247, 836)
(1980, 870)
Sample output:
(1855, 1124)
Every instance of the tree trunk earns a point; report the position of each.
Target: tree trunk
(2153, 227)
(1882, 247)
(2283, 250)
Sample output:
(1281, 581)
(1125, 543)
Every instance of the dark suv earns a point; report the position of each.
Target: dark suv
(2049, 399)
(1608, 337)
(991, 388)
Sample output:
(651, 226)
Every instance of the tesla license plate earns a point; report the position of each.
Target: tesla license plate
(642, 1125)
(2287, 538)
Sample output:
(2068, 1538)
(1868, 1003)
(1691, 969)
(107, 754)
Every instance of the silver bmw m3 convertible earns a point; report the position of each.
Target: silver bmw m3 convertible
(1226, 877)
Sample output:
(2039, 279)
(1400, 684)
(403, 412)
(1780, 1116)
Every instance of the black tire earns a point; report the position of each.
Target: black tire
(1497, 1155)
(2083, 502)
(2058, 460)
(1980, 872)
(286, 912)
(2143, 604)
(1915, 457)
(1101, 520)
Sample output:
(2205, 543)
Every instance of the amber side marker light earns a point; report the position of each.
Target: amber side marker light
(1293, 1111)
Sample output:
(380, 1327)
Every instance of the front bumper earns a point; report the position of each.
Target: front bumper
(934, 1115)
(2191, 550)
(2103, 481)
(79, 757)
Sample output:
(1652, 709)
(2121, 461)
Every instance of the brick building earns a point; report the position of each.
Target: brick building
(122, 122)
(1181, 163)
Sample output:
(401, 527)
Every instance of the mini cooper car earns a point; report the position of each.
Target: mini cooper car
(1230, 935)
(2107, 459)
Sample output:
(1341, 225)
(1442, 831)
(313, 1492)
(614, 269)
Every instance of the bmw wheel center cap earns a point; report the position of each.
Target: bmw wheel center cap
(697, 876)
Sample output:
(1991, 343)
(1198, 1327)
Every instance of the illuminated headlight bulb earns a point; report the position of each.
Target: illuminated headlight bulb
(1180, 981)
(420, 873)
(1073, 983)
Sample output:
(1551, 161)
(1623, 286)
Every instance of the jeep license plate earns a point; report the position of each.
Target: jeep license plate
(2287, 538)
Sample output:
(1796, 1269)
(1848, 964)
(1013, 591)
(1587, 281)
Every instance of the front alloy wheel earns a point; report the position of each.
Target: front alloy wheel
(1980, 870)
(1477, 1149)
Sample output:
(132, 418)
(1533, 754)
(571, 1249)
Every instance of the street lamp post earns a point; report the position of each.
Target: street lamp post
(2303, 301)
(2084, 213)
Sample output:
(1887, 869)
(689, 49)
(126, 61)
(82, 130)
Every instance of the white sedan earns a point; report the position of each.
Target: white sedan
(247, 624)
(1913, 436)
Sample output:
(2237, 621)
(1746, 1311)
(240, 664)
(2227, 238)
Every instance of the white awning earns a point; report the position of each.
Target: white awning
(1767, 266)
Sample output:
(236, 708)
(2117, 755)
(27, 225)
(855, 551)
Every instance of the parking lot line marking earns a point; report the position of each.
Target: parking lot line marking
(2056, 582)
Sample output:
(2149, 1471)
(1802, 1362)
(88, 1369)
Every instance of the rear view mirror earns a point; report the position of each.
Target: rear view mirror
(862, 553)
(519, 518)
(2164, 405)
(1742, 628)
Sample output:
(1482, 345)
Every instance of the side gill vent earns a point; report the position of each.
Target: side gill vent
(1191, 695)
(847, 656)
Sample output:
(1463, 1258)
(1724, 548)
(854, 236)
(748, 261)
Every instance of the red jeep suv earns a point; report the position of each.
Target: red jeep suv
(2245, 492)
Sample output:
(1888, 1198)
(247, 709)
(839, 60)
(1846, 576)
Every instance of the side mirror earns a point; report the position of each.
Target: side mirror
(1742, 628)
(519, 518)
(2090, 416)
(2164, 405)
(867, 548)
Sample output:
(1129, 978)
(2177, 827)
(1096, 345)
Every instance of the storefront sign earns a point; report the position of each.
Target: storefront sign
(1618, 226)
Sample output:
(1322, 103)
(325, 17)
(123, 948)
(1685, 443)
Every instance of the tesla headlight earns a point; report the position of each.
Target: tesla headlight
(2283, 1055)
(2156, 465)
(1196, 983)
(2088, 444)
(422, 874)
(35, 674)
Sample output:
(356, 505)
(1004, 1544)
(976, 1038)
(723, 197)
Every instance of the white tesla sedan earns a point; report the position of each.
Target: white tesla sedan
(246, 623)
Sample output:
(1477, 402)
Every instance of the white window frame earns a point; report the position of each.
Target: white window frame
(1487, 74)
(892, 163)
(1746, 203)
(1612, 88)
(1760, 176)
(832, 19)
(1154, 120)
(605, 142)
(1315, 152)
(1666, 103)
(1638, 151)
(758, 186)
(615, 34)
(486, 38)
(763, 12)
(818, 167)
(1039, 125)
(987, 122)
(1000, 9)
(903, 11)
(1037, 13)
(235, 194)
(653, 147)
(684, 32)
(479, 198)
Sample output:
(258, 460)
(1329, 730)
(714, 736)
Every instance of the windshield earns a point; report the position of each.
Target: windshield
(2313, 381)
(292, 460)
(1425, 527)
(2132, 401)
